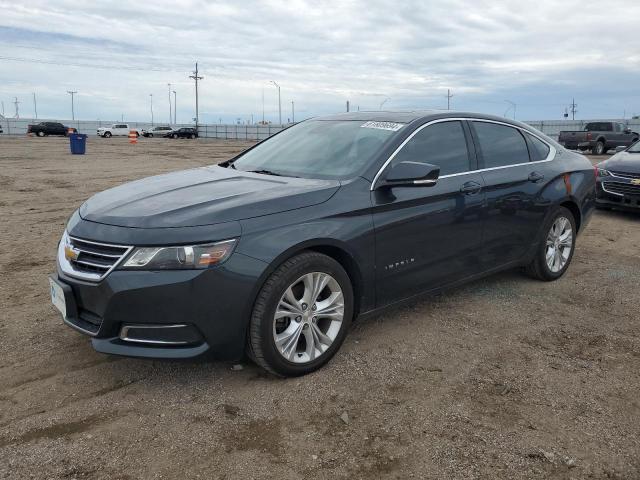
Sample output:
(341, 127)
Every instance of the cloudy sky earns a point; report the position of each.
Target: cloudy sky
(399, 54)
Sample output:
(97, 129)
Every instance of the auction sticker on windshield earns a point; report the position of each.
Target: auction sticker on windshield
(394, 127)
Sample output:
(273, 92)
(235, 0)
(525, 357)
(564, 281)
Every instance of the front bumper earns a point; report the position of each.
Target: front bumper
(621, 193)
(166, 314)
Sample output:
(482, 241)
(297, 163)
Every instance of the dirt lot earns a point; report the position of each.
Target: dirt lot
(504, 378)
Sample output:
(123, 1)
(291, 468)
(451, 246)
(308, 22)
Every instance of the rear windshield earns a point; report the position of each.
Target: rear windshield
(332, 149)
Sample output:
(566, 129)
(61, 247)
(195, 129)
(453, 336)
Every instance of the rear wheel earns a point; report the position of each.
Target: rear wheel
(555, 251)
(599, 149)
(107, 134)
(40, 133)
(175, 135)
(150, 135)
(193, 135)
(301, 315)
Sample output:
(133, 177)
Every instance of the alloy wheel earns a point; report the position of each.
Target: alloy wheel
(308, 317)
(559, 244)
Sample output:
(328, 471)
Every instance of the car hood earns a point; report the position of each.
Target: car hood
(624, 162)
(203, 196)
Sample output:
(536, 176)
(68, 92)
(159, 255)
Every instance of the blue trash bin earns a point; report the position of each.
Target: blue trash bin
(78, 143)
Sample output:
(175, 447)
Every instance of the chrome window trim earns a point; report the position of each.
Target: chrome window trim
(125, 330)
(68, 269)
(550, 156)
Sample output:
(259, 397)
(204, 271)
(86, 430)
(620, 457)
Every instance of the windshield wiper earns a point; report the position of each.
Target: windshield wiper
(266, 172)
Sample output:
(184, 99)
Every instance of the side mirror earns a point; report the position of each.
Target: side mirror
(627, 130)
(411, 174)
(621, 148)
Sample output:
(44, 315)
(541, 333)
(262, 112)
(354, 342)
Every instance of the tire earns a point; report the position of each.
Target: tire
(40, 133)
(193, 135)
(150, 135)
(599, 149)
(107, 135)
(539, 267)
(303, 357)
(137, 134)
(175, 135)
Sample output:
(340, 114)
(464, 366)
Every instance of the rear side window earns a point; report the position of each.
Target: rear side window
(538, 150)
(442, 144)
(500, 145)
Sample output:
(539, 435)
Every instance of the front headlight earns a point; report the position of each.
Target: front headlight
(180, 258)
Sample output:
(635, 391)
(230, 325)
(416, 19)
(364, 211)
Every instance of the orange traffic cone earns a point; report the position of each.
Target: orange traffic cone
(133, 137)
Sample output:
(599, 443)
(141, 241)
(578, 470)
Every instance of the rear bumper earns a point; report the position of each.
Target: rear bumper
(166, 314)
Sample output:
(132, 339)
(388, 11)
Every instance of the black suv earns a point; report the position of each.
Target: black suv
(185, 132)
(276, 251)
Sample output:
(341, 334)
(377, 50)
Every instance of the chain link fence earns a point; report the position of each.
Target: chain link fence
(13, 126)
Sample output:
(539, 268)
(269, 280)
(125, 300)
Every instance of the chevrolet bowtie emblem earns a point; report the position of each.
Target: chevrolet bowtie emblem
(70, 253)
(635, 181)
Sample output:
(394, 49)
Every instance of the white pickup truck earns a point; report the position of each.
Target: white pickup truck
(116, 130)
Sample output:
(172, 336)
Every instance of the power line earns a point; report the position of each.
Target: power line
(88, 65)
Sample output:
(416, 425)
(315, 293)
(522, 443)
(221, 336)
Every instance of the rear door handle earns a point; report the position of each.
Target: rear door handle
(469, 188)
(535, 177)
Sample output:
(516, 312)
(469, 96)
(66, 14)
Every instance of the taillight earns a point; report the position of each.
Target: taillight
(589, 137)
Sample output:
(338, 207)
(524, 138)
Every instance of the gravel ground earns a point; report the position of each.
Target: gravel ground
(503, 378)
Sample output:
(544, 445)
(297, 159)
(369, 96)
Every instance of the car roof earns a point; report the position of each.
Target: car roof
(420, 116)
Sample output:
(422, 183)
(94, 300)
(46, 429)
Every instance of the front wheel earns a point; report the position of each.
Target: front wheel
(175, 135)
(40, 134)
(107, 134)
(193, 135)
(150, 135)
(301, 315)
(555, 251)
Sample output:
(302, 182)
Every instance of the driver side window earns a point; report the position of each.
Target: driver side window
(442, 144)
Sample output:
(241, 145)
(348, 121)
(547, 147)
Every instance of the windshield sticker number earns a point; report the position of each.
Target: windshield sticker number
(394, 127)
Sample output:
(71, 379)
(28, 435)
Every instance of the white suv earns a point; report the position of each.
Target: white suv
(116, 130)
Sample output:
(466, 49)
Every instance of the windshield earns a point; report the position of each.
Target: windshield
(319, 149)
(635, 148)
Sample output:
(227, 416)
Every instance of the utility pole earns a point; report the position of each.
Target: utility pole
(279, 104)
(196, 78)
(35, 105)
(170, 114)
(513, 105)
(73, 113)
(2, 102)
(573, 108)
(262, 105)
(449, 97)
(16, 102)
(347, 106)
(293, 113)
(175, 108)
(151, 97)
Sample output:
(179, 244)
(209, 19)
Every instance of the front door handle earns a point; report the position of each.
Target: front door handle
(469, 188)
(535, 177)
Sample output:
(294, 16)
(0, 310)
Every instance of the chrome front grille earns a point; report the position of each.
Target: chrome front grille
(620, 188)
(625, 174)
(87, 259)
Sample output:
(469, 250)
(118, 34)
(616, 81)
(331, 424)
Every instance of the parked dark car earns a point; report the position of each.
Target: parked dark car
(618, 180)
(277, 250)
(598, 137)
(184, 132)
(44, 129)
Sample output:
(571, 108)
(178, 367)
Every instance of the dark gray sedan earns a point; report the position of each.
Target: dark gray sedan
(275, 252)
